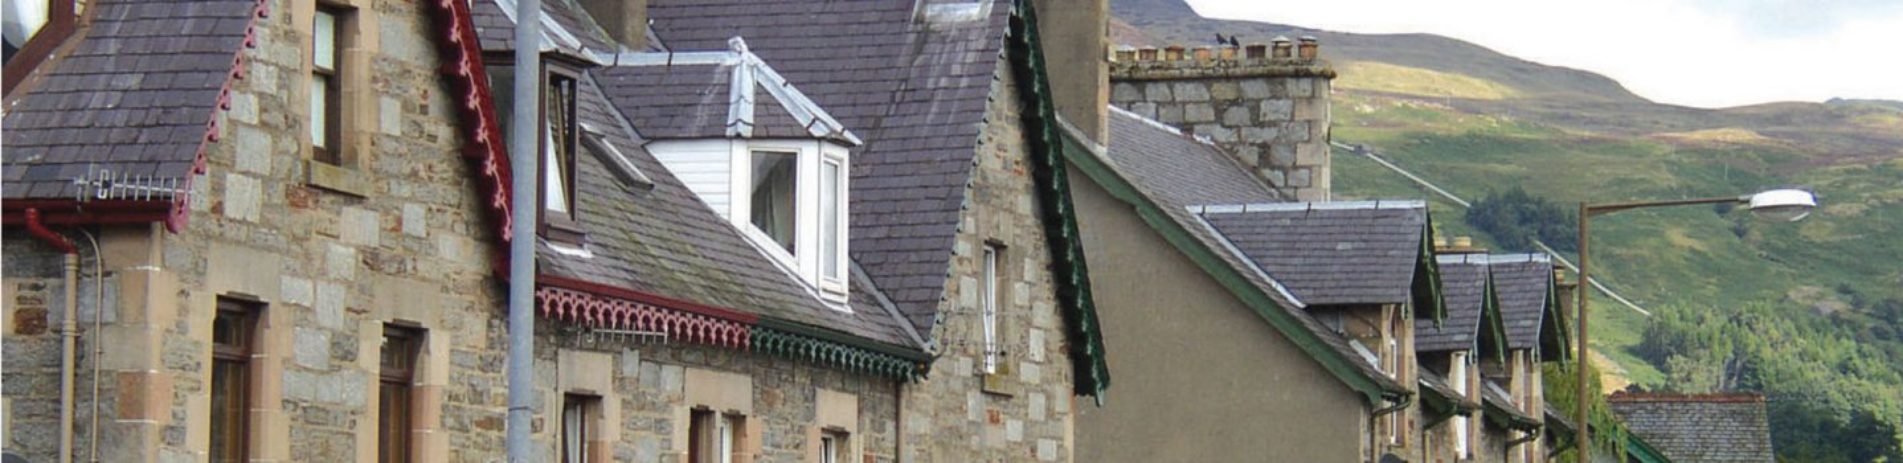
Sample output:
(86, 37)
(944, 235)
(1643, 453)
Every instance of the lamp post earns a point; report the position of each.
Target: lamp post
(1783, 204)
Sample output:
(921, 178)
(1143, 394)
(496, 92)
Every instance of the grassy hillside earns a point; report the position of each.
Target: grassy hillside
(1475, 121)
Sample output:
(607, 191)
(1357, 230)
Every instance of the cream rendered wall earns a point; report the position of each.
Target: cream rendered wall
(1199, 376)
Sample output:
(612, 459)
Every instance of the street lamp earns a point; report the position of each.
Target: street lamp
(1781, 204)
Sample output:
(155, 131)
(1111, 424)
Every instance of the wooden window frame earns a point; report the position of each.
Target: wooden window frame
(395, 444)
(245, 315)
(62, 19)
(715, 436)
(333, 151)
(558, 227)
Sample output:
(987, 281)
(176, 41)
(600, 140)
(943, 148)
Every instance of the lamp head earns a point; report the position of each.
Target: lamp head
(1783, 204)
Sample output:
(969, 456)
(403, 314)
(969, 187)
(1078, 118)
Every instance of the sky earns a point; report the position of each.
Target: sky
(1703, 53)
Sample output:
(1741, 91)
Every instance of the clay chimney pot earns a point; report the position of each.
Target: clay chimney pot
(1227, 54)
(1256, 51)
(1203, 53)
(1173, 53)
(1463, 242)
(1126, 54)
(1283, 47)
(1310, 48)
(1146, 54)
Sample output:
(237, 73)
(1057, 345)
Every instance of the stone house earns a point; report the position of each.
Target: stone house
(1731, 427)
(286, 232)
(341, 258)
(1530, 293)
(1185, 222)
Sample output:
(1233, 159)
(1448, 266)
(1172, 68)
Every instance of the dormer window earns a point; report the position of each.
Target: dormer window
(775, 197)
(561, 135)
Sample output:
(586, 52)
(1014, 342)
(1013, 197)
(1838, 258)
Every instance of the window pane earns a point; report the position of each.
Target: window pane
(828, 449)
(829, 206)
(773, 198)
(990, 301)
(324, 41)
(320, 102)
(574, 450)
(554, 180)
(726, 439)
(228, 411)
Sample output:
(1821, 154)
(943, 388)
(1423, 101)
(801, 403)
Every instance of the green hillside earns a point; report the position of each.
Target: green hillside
(1823, 297)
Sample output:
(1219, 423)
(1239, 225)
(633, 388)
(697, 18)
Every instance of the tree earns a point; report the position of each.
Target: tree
(1515, 219)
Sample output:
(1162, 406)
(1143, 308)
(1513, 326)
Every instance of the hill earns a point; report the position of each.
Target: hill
(1474, 121)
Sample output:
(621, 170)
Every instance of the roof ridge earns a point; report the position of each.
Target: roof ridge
(1378, 204)
(1715, 397)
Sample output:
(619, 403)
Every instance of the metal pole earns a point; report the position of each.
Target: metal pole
(1585, 239)
(524, 122)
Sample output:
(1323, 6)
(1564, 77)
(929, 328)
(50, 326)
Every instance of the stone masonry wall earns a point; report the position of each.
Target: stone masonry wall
(1269, 112)
(653, 388)
(1026, 414)
(329, 270)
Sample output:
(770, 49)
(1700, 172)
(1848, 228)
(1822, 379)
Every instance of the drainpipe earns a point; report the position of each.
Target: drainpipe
(524, 121)
(68, 328)
(1400, 403)
(98, 349)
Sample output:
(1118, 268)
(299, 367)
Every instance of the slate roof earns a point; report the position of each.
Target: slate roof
(1329, 253)
(576, 32)
(693, 95)
(666, 241)
(1194, 171)
(915, 91)
(1699, 427)
(1433, 382)
(1464, 287)
(1496, 401)
(1524, 285)
(1173, 170)
(134, 95)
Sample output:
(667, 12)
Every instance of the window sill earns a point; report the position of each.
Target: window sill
(564, 231)
(336, 178)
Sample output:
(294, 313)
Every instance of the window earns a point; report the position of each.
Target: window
(558, 149)
(325, 101)
(397, 373)
(233, 328)
(579, 411)
(990, 300)
(832, 447)
(774, 200)
(832, 223)
(714, 437)
(33, 28)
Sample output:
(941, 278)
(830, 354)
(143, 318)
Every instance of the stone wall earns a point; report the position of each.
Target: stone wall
(653, 389)
(408, 244)
(1026, 414)
(1271, 112)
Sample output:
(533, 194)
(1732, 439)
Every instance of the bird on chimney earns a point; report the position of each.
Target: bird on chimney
(1219, 40)
(1234, 43)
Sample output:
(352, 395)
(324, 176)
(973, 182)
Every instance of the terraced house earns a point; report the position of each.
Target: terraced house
(751, 246)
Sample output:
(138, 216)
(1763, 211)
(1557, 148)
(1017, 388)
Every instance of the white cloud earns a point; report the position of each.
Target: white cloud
(1687, 52)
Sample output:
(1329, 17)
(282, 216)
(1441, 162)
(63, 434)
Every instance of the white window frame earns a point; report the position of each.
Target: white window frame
(989, 299)
(724, 439)
(804, 261)
(834, 283)
(831, 444)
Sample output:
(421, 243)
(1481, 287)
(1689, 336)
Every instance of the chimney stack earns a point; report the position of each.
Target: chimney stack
(1260, 102)
(1075, 37)
(625, 20)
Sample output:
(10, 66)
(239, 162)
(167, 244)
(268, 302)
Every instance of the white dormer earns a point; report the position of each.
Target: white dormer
(780, 174)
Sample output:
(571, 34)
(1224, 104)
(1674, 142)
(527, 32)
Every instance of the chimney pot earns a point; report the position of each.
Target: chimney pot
(1559, 275)
(1310, 48)
(1283, 47)
(1203, 53)
(1256, 51)
(1146, 54)
(1440, 242)
(1126, 54)
(1227, 54)
(1173, 53)
(1463, 242)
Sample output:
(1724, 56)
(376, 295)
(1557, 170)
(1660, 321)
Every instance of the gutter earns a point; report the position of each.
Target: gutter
(68, 327)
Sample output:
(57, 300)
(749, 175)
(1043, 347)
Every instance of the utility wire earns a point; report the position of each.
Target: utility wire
(1430, 186)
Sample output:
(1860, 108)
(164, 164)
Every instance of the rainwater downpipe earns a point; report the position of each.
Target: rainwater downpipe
(524, 122)
(1401, 402)
(68, 328)
(98, 348)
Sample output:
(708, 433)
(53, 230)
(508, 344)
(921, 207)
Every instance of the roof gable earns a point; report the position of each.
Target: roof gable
(1473, 311)
(1526, 292)
(125, 102)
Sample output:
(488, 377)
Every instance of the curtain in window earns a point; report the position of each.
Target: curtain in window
(773, 196)
(571, 433)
